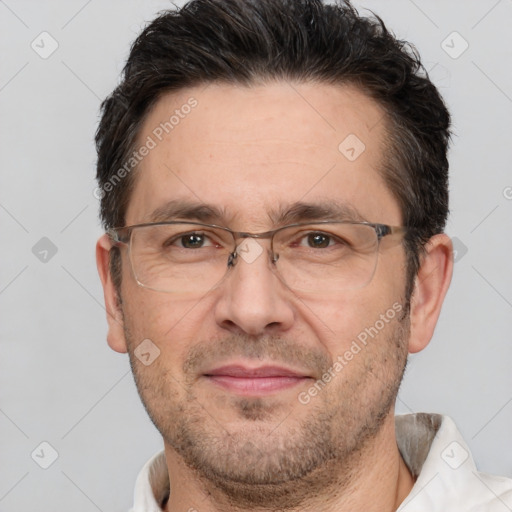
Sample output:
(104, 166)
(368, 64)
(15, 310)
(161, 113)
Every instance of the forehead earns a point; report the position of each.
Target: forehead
(252, 150)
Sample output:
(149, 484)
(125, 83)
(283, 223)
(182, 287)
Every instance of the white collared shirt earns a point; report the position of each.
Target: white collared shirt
(446, 476)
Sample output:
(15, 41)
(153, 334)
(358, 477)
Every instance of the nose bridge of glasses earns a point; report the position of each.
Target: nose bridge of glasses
(249, 249)
(245, 234)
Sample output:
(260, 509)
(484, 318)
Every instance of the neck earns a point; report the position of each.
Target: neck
(375, 479)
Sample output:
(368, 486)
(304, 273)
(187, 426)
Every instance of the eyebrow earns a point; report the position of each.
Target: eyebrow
(301, 212)
(186, 210)
(286, 214)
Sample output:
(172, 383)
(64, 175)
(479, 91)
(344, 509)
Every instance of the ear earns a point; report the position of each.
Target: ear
(115, 335)
(431, 285)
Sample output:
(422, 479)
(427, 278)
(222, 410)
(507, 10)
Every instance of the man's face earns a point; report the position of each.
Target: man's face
(248, 152)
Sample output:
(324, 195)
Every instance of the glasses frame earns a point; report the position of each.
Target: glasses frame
(122, 236)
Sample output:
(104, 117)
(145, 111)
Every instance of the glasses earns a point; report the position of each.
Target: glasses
(191, 257)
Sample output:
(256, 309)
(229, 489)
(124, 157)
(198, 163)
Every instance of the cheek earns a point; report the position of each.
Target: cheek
(353, 317)
(171, 324)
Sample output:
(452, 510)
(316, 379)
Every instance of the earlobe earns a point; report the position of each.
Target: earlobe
(431, 285)
(115, 336)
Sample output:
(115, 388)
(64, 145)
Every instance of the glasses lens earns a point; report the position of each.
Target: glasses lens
(179, 257)
(326, 257)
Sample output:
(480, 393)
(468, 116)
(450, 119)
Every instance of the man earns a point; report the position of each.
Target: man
(274, 190)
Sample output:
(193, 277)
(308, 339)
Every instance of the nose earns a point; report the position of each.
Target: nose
(252, 299)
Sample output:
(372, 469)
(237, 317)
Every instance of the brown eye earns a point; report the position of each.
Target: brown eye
(318, 240)
(188, 241)
(192, 241)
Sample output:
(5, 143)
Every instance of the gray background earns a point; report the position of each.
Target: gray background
(59, 381)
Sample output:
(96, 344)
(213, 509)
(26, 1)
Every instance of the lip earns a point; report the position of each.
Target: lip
(258, 381)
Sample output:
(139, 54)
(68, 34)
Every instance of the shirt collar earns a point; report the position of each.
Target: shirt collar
(152, 485)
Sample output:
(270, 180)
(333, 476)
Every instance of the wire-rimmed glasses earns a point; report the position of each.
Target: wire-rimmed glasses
(192, 257)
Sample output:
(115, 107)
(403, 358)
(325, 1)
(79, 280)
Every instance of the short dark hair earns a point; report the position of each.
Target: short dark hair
(252, 41)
